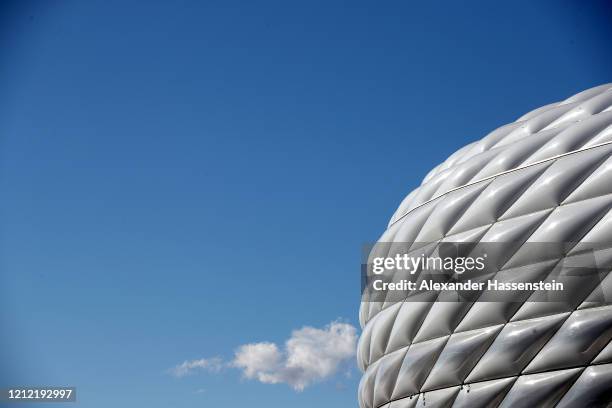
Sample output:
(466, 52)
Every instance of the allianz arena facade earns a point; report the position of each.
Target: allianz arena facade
(545, 178)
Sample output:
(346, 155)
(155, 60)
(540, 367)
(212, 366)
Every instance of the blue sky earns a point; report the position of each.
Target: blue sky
(180, 179)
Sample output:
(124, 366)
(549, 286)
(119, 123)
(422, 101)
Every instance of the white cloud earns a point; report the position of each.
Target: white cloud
(214, 365)
(310, 355)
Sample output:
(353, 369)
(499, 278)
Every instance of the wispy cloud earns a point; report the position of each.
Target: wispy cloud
(310, 355)
(213, 365)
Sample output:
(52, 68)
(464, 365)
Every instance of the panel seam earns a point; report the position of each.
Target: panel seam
(497, 175)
